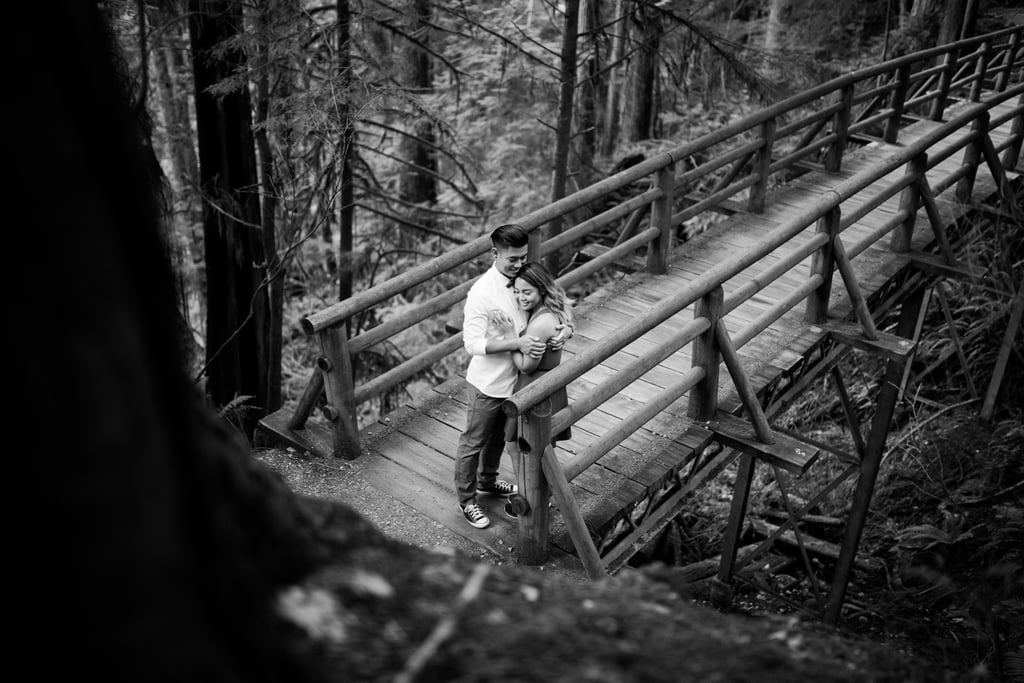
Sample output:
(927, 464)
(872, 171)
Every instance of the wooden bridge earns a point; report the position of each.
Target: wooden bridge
(678, 365)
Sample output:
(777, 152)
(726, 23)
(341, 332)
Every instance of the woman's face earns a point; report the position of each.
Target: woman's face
(528, 296)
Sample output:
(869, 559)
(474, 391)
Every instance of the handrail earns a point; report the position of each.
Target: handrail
(341, 311)
(723, 271)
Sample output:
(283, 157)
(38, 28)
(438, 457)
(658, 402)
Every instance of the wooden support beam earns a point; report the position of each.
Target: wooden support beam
(1012, 328)
(852, 420)
(885, 405)
(860, 305)
(787, 452)
(314, 389)
(742, 384)
(893, 347)
(937, 265)
(572, 515)
(954, 336)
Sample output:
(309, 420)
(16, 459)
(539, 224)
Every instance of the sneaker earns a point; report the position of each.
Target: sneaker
(475, 516)
(510, 510)
(500, 487)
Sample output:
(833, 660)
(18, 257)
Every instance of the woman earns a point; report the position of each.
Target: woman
(548, 310)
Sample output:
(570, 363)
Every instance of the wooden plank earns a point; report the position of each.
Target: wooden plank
(786, 452)
(889, 345)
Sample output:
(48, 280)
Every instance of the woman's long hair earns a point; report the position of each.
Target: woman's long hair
(553, 296)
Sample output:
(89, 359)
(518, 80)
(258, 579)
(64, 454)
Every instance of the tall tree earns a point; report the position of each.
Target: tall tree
(145, 546)
(644, 82)
(346, 140)
(417, 180)
(237, 313)
(563, 127)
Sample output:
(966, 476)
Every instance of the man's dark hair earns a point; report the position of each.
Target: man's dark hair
(509, 235)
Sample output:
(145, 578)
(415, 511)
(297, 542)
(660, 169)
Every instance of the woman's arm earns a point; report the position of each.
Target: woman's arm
(541, 327)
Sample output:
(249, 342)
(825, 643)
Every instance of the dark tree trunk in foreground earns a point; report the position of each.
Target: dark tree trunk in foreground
(147, 547)
(237, 311)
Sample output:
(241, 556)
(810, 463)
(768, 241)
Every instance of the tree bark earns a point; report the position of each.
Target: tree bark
(642, 115)
(237, 306)
(346, 138)
(268, 211)
(417, 182)
(150, 546)
(563, 127)
(613, 99)
(588, 84)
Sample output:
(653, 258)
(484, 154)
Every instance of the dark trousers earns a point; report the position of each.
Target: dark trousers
(480, 445)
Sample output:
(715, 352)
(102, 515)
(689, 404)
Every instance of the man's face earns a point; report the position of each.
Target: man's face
(509, 260)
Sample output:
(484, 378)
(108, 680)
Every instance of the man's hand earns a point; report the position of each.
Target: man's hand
(565, 333)
(531, 346)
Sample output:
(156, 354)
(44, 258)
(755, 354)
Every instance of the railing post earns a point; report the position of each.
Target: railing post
(1011, 52)
(1011, 153)
(762, 162)
(704, 396)
(340, 410)
(980, 69)
(945, 77)
(910, 198)
(823, 263)
(534, 435)
(896, 99)
(972, 157)
(661, 217)
(841, 127)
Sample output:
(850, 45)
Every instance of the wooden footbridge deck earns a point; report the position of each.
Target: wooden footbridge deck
(679, 363)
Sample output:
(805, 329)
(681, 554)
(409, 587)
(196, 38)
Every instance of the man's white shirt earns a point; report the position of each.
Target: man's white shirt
(492, 374)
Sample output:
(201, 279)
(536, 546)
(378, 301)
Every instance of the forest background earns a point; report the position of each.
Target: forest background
(311, 149)
(236, 532)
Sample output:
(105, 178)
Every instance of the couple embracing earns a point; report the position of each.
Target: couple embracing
(516, 321)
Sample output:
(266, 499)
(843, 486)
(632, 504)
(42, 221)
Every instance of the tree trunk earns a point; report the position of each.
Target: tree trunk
(613, 99)
(346, 203)
(268, 212)
(417, 180)
(237, 306)
(641, 124)
(156, 549)
(775, 26)
(587, 79)
(563, 127)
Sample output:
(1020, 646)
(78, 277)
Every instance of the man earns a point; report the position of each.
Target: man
(491, 376)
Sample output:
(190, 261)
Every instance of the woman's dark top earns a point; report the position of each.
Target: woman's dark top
(556, 401)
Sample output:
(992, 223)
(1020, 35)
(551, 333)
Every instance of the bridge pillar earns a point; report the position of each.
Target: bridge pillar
(534, 435)
(885, 406)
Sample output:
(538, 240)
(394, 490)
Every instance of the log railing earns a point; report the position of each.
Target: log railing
(714, 345)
